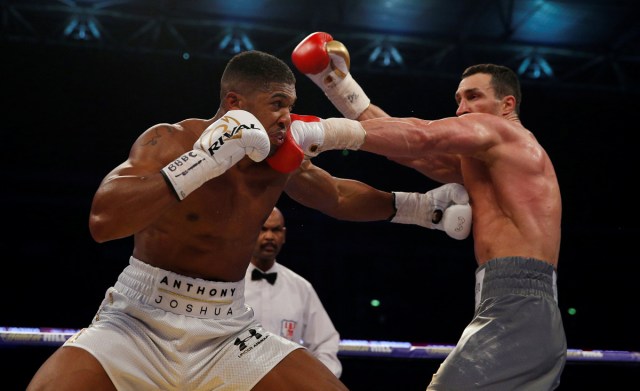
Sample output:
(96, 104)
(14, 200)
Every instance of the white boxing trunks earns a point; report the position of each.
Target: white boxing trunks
(160, 330)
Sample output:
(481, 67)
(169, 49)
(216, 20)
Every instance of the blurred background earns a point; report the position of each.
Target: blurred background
(80, 80)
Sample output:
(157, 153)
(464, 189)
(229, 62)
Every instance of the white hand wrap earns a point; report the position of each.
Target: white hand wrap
(328, 134)
(347, 96)
(221, 145)
(338, 84)
(445, 208)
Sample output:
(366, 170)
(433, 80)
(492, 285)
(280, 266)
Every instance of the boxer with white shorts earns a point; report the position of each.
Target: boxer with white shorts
(194, 196)
(156, 328)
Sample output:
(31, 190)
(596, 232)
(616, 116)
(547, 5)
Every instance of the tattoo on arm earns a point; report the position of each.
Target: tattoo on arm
(157, 133)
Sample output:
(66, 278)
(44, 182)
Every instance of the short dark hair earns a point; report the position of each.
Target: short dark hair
(503, 80)
(254, 70)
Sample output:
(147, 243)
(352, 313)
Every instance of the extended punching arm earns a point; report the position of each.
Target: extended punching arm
(309, 135)
(315, 135)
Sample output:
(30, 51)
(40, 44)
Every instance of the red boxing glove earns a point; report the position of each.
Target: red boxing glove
(326, 62)
(289, 155)
(309, 135)
(304, 118)
(310, 56)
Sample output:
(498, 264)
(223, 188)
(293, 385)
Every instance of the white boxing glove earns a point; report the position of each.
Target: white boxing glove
(326, 62)
(315, 135)
(445, 208)
(221, 145)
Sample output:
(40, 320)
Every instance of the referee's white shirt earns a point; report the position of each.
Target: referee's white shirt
(291, 308)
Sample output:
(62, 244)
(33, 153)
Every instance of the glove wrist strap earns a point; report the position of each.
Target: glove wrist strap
(342, 133)
(188, 172)
(348, 97)
(411, 208)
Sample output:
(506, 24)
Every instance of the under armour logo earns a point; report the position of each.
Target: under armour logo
(242, 342)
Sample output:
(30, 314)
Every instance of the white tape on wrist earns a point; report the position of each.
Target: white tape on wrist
(348, 97)
(188, 172)
(410, 209)
(419, 209)
(342, 133)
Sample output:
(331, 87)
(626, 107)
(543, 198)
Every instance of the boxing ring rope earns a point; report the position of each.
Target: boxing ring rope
(43, 336)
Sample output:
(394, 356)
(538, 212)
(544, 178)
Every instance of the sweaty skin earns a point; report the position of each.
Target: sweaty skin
(212, 232)
(512, 184)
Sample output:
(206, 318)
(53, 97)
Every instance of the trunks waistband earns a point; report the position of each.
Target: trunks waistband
(516, 275)
(178, 294)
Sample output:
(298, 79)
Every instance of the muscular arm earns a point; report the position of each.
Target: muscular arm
(371, 112)
(326, 62)
(443, 168)
(343, 199)
(407, 138)
(134, 194)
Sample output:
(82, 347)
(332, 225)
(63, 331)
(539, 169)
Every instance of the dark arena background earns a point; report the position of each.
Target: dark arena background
(80, 80)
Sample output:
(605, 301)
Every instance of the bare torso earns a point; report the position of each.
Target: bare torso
(516, 202)
(211, 233)
(511, 181)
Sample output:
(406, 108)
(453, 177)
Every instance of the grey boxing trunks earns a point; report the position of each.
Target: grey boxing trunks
(158, 330)
(516, 340)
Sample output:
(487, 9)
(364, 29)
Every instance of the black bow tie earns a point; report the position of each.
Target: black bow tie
(258, 275)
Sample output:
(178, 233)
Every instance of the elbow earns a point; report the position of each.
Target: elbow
(99, 229)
